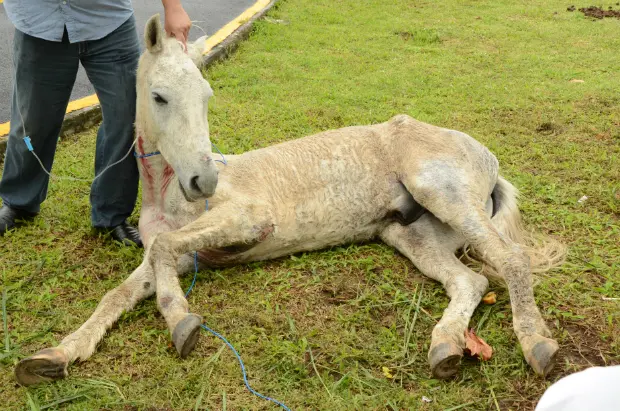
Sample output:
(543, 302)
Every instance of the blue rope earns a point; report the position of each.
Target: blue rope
(154, 153)
(221, 337)
(245, 376)
(223, 160)
(189, 290)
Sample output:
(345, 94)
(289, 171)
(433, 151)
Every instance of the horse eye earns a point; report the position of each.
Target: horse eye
(159, 99)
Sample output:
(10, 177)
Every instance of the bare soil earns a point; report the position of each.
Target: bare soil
(597, 12)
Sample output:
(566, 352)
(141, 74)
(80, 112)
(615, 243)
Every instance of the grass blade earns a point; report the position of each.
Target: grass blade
(413, 321)
(199, 399)
(317, 373)
(458, 407)
(7, 342)
(33, 405)
(63, 400)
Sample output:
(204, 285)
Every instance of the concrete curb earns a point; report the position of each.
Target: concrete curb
(230, 43)
(81, 120)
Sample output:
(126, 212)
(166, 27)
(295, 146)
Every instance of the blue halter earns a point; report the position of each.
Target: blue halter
(156, 153)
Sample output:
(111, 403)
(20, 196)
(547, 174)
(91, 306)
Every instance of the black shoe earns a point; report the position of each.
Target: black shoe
(125, 234)
(13, 217)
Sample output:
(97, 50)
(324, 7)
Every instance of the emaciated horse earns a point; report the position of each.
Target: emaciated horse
(424, 190)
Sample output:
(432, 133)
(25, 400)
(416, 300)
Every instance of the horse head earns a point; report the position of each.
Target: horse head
(172, 109)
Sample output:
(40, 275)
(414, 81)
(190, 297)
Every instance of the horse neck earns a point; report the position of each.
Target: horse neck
(155, 172)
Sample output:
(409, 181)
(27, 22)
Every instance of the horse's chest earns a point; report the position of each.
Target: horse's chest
(153, 223)
(155, 220)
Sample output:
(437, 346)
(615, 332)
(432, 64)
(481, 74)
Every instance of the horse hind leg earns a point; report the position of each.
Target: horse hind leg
(513, 264)
(430, 245)
(458, 199)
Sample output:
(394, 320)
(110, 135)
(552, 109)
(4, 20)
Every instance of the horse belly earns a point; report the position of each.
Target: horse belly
(345, 210)
(324, 220)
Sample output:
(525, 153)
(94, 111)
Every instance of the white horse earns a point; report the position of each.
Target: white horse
(424, 190)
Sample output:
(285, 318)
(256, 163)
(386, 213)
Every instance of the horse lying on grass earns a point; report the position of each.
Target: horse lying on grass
(424, 190)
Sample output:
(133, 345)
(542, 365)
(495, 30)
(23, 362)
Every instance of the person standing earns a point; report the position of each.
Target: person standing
(52, 37)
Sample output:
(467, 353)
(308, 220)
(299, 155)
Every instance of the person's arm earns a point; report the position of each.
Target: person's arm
(176, 20)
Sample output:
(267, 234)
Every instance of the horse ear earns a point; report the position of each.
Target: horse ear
(196, 49)
(153, 34)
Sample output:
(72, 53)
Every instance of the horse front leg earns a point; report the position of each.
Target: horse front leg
(223, 226)
(52, 363)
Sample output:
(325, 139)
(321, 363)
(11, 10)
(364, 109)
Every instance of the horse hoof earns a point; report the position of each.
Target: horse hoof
(185, 334)
(444, 359)
(46, 365)
(540, 353)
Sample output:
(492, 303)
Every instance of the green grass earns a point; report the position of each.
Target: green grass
(316, 329)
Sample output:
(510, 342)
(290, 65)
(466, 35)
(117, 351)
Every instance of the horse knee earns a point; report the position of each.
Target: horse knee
(459, 284)
(161, 251)
(480, 283)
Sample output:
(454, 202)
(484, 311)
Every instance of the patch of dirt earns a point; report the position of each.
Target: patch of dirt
(597, 12)
(548, 128)
(420, 37)
(583, 348)
(405, 35)
(524, 397)
(308, 309)
(341, 291)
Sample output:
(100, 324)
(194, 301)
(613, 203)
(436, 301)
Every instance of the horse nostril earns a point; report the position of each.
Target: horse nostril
(194, 184)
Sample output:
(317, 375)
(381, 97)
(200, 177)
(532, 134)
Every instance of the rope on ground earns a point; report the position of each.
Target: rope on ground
(221, 337)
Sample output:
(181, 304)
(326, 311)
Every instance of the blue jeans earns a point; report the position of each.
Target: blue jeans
(45, 73)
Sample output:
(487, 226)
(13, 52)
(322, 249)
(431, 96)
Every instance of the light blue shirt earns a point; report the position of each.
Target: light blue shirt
(85, 19)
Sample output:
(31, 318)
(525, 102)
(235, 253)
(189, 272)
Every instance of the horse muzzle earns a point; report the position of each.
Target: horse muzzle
(200, 186)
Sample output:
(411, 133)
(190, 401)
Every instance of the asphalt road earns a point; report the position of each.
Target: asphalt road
(210, 15)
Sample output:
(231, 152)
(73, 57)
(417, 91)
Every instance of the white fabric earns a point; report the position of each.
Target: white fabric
(593, 389)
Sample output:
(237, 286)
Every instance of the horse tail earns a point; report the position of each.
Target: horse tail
(545, 253)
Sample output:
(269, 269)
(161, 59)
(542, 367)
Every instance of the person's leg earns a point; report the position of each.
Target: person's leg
(111, 65)
(44, 75)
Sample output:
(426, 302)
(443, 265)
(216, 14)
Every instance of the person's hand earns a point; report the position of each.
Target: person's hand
(176, 21)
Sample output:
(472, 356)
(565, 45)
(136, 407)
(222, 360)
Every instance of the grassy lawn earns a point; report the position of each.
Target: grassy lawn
(316, 329)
